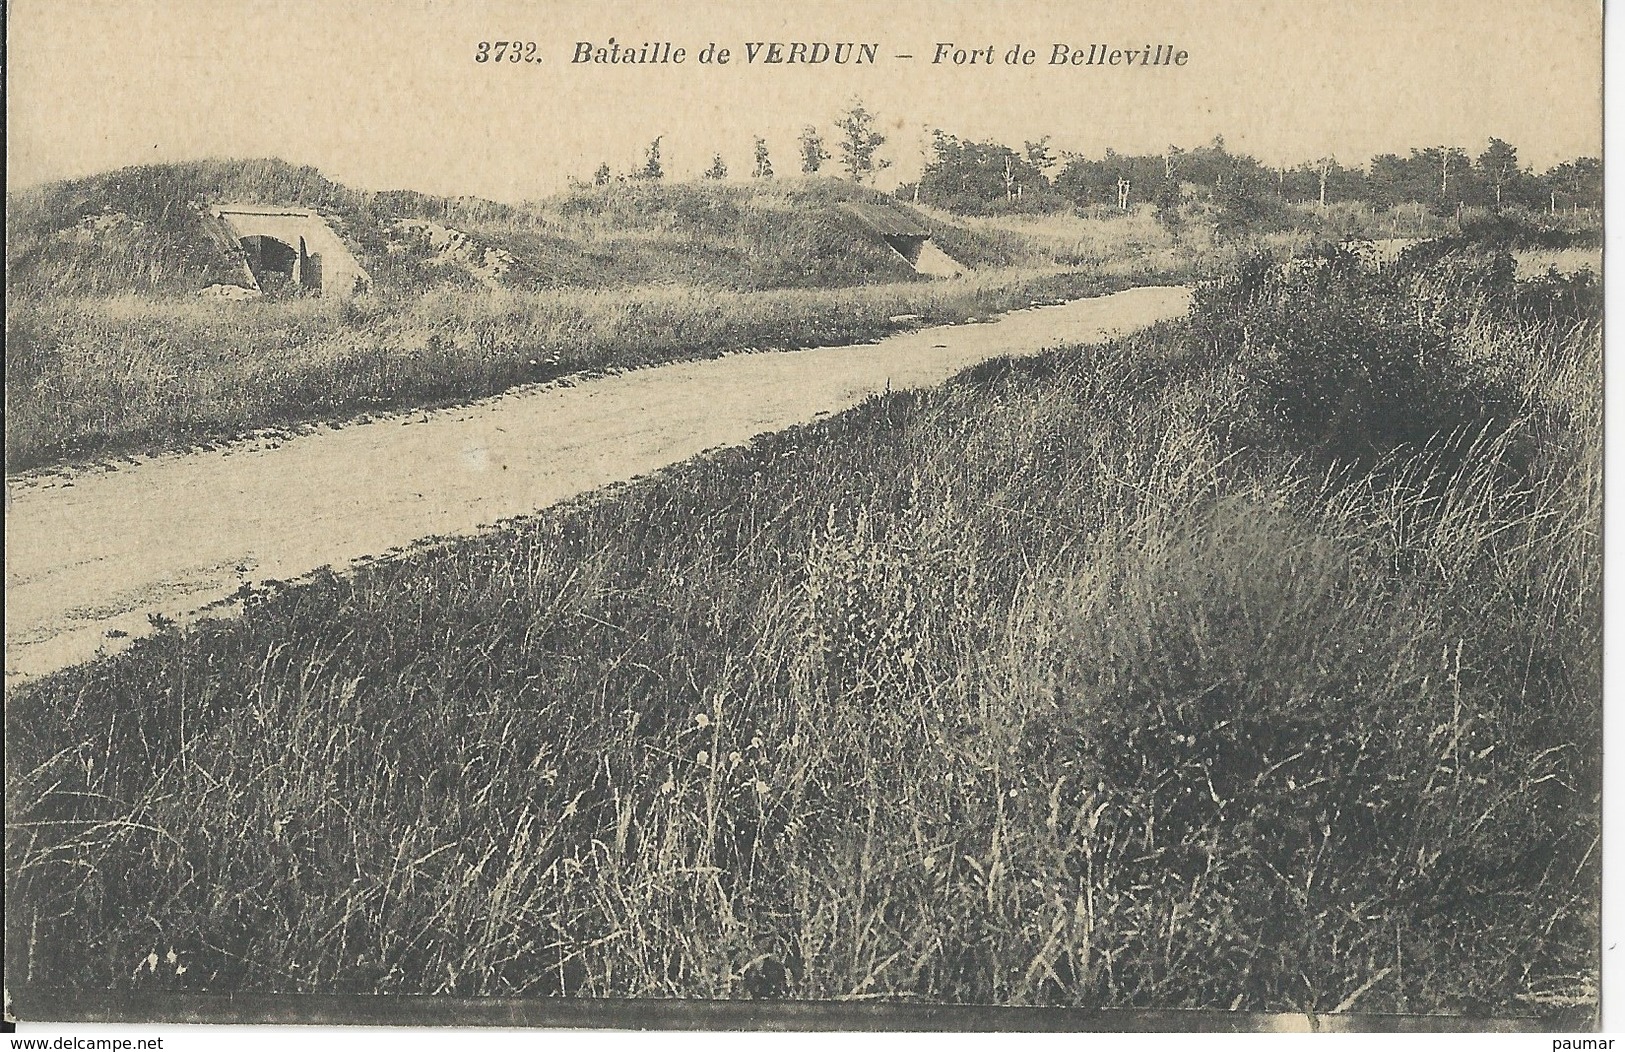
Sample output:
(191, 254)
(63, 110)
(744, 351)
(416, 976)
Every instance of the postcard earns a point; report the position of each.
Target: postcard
(1023, 516)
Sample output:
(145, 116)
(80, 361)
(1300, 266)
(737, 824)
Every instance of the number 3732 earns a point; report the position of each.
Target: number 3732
(505, 51)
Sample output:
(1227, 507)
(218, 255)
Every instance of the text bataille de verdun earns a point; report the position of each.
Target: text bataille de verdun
(775, 53)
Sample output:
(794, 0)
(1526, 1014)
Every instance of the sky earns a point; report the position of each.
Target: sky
(384, 94)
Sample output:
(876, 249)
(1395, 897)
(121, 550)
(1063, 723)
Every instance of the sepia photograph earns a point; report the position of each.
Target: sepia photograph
(841, 515)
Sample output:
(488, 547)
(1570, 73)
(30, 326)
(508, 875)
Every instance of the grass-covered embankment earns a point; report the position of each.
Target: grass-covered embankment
(1249, 662)
(144, 230)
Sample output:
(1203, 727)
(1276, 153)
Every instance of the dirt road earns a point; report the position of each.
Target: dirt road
(87, 562)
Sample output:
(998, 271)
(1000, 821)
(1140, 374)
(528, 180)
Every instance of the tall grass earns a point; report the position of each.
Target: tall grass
(88, 377)
(1043, 687)
(1117, 243)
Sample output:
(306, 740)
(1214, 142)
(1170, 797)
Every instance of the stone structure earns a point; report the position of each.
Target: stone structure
(292, 246)
(906, 236)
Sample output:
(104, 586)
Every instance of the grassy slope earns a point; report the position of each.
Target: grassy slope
(139, 230)
(787, 233)
(1037, 688)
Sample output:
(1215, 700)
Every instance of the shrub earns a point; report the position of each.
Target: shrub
(1330, 357)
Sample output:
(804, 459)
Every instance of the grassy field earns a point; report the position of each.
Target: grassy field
(1106, 238)
(1250, 662)
(1535, 262)
(92, 377)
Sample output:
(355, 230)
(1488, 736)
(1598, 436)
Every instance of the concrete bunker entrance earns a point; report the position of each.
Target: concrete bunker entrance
(292, 249)
(275, 262)
(906, 245)
(904, 234)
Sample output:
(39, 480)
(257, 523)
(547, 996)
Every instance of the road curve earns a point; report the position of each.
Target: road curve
(87, 562)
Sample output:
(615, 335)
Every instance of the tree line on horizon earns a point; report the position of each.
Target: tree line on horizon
(977, 177)
(987, 176)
